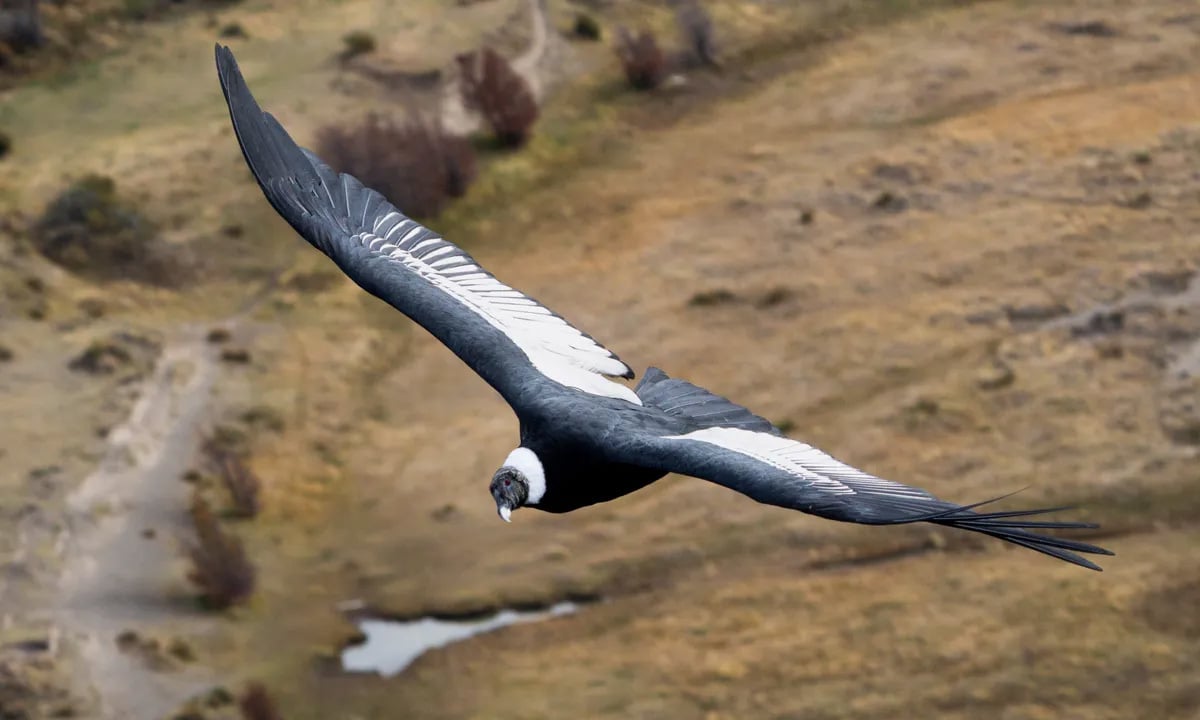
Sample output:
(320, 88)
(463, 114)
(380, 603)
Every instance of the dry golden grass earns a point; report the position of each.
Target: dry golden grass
(959, 171)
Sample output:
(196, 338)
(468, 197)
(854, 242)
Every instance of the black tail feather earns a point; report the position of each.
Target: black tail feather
(1003, 526)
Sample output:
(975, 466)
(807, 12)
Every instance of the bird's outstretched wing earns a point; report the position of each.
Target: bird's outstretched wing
(780, 471)
(509, 339)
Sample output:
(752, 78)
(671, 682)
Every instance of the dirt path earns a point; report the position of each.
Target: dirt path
(114, 576)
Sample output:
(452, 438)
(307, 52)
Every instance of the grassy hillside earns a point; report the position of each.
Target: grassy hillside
(953, 246)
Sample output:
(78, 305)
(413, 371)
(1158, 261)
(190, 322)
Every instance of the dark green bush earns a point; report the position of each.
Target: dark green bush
(586, 27)
(90, 230)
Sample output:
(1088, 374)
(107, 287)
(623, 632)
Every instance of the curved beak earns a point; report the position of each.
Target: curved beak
(505, 512)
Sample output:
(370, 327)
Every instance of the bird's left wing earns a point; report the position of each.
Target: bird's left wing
(780, 471)
(509, 339)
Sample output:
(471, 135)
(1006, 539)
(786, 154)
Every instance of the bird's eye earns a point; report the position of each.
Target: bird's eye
(507, 483)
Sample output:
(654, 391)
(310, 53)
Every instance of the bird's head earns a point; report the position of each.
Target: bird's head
(510, 490)
(520, 481)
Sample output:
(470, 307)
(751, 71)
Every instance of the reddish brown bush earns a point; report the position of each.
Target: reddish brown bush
(492, 88)
(417, 165)
(256, 704)
(220, 568)
(642, 59)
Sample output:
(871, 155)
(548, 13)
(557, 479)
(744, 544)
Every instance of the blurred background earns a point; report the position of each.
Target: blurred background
(953, 243)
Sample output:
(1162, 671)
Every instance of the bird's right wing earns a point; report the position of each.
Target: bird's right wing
(512, 341)
(780, 471)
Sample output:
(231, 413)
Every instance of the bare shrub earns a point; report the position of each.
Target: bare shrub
(696, 30)
(21, 26)
(641, 58)
(492, 88)
(256, 703)
(220, 568)
(417, 165)
(243, 486)
(90, 230)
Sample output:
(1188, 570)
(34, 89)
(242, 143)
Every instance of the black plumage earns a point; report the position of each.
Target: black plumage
(585, 439)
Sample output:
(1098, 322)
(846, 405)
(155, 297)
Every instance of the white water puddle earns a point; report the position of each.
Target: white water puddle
(393, 645)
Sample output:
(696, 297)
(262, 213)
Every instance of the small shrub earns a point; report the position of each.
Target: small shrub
(696, 30)
(359, 42)
(256, 704)
(492, 88)
(220, 568)
(232, 30)
(708, 298)
(417, 165)
(586, 27)
(5, 143)
(641, 58)
(90, 230)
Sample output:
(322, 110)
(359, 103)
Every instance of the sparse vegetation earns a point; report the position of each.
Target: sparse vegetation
(220, 568)
(256, 703)
(89, 229)
(642, 59)
(150, 9)
(141, 9)
(359, 42)
(417, 165)
(492, 88)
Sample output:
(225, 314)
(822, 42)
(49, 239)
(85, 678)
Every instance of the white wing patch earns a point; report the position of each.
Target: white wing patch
(555, 348)
(804, 462)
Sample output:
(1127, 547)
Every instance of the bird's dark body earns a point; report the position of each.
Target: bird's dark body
(585, 439)
(572, 445)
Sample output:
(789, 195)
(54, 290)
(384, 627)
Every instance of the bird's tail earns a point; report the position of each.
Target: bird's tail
(1012, 526)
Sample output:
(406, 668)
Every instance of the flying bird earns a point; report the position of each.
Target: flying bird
(584, 437)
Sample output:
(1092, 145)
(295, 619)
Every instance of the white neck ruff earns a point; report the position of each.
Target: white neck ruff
(525, 461)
